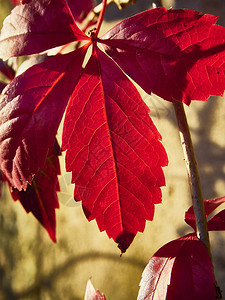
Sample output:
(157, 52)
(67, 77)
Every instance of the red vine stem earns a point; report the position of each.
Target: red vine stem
(101, 17)
(192, 170)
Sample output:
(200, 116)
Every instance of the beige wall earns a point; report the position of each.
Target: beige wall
(32, 267)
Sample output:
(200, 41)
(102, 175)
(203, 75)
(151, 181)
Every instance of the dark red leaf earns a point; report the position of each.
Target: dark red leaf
(6, 70)
(217, 222)
(30, 112)
(80, 9)
(38, 26)
(210, 206)
(113, 151)
(40, 198)
(91, 294)
(183, 266)
(176, 54)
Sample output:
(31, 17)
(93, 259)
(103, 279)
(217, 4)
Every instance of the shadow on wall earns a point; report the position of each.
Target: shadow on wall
(113, 13)
(214, 7)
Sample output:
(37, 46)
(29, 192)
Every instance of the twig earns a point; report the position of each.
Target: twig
(194, 180)
(191, 165)
(93, 15)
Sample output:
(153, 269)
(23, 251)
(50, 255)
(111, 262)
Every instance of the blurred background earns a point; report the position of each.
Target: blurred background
(32, 267)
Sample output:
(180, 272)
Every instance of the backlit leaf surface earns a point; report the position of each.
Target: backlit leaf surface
(37, 26)
(176, 54)
(180, 269)
(30, 112)
(113, 148)
(113, 151)
(80, 9)
(41, 198)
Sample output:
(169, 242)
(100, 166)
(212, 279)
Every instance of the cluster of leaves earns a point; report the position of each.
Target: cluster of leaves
(113, 149)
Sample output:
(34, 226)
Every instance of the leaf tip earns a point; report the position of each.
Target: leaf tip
(51, 233)
(53, 238)
(124, 240)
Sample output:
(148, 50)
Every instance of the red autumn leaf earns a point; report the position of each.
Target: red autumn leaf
(30, 111)
(210, 206)
(176, 54)
(41, 198)
(113, 151)
(20, 1)
(180, 269)
(80, 9)
(37, 26)
(217, 222)
(91, 294)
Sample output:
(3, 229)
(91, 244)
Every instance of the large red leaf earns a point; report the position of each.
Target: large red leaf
(40, 198)
(79, 9)
(180, 269)
(37, 26)
(113, 151)
(91, 294)
(210, 206)
(30, 112)
(176, 54)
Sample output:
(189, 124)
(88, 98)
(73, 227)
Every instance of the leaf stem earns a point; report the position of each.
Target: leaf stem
(194, 180)
(101, 17)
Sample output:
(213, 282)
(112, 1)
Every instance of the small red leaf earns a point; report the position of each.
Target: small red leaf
(176, 54)
(41, 198)
(184, 266)
(210, 206)
(31, 110)
(38, 26)
(91, 294)
(217, 222)
(113, 151)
